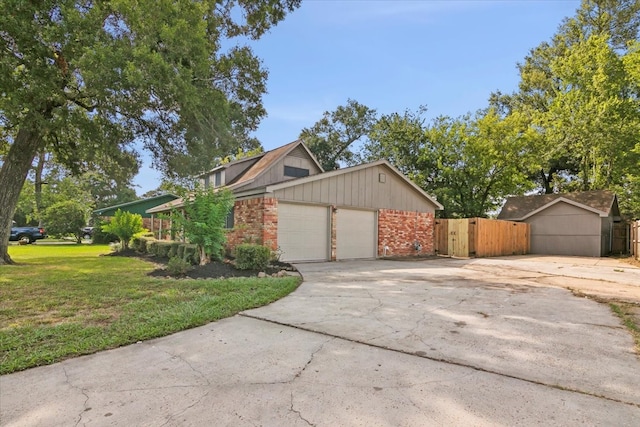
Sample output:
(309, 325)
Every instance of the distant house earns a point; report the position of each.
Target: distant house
(581, 223)
(138, 206)
(286, 201)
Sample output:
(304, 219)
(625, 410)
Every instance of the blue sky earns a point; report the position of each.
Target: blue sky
(392, 56)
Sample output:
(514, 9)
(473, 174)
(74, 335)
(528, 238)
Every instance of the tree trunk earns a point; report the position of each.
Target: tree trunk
(204, 259)
(12, 176)
(546, 181)
(38, 185)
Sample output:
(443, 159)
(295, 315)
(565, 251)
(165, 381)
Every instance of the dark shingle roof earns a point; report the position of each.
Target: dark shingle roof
(266, 161)
(517, 208)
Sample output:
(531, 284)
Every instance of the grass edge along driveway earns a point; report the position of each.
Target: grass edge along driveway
(64, 301)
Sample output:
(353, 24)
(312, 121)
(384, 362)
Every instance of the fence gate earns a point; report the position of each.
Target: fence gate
(441, 237)
(458, 237)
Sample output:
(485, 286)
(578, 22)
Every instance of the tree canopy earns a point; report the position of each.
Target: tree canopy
(470, 163)
(92, 81)
(331, 139)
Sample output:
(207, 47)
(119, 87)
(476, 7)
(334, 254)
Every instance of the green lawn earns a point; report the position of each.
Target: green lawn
(67, 300)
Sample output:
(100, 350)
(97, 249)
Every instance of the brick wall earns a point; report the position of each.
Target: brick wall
(270, 223)
(399, 230)
(255, 221)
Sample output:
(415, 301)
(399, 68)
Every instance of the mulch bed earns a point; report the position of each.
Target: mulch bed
(213, 270)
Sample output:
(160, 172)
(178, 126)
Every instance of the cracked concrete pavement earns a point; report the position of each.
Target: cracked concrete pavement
(380, 343)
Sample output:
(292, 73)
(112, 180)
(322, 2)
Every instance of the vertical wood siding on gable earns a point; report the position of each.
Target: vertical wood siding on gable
(360, 189)
(299, 152)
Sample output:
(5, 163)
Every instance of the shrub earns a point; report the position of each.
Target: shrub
(65, 218)
(177, 266)
(174, 249)
(124, 225)
(252, 257)
(180, 250)
(202, 218)
(191, 254)
(100, 237)
(138, 245)
(163, 249)
(152, 247)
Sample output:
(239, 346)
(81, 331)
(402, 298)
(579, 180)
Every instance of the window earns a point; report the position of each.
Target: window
(218, 179)
(295, 172)
(206, 182)
(228, 223)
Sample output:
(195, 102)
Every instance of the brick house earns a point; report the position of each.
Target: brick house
(284, 200)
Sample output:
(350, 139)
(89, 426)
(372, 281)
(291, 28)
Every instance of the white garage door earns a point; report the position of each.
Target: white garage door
(355, 234)
(303, 232)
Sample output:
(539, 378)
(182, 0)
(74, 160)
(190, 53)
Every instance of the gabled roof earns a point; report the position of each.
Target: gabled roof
(311, 178)
(520, 208)
(167, 206)
(266, 161)
(234, 162)
(164, 196)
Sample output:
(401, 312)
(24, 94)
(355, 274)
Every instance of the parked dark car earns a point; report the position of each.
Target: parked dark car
(29, 234)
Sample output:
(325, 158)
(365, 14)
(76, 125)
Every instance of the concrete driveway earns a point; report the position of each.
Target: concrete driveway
(375, 343)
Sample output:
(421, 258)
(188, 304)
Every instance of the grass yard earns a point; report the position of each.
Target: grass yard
(67, 300)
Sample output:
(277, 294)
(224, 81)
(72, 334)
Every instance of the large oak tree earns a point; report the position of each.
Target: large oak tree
(578, 91)
(470, 163)
(85, 79)
(332, 138)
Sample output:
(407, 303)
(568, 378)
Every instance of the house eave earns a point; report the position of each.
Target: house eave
(121, 205)
(329, 174)
(560, 200)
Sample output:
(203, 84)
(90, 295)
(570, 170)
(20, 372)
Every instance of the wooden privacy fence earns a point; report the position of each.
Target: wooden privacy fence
(481, 237)
(635, 239)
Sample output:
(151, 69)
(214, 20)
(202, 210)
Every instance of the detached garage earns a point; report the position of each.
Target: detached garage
(284, 200)
(579, 224)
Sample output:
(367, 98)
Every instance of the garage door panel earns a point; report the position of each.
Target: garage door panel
(355, 234)
(303, 232)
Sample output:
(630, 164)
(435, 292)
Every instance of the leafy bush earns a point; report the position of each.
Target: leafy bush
(139, 244)
(180, 250)
(152, 247)
(124, 225)
(174, 249)
(202, 219)
(252, 257)
(66, 218)
(144, 242)
(102, 237)
(163, 249)
(177, 266)
(191, 254)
